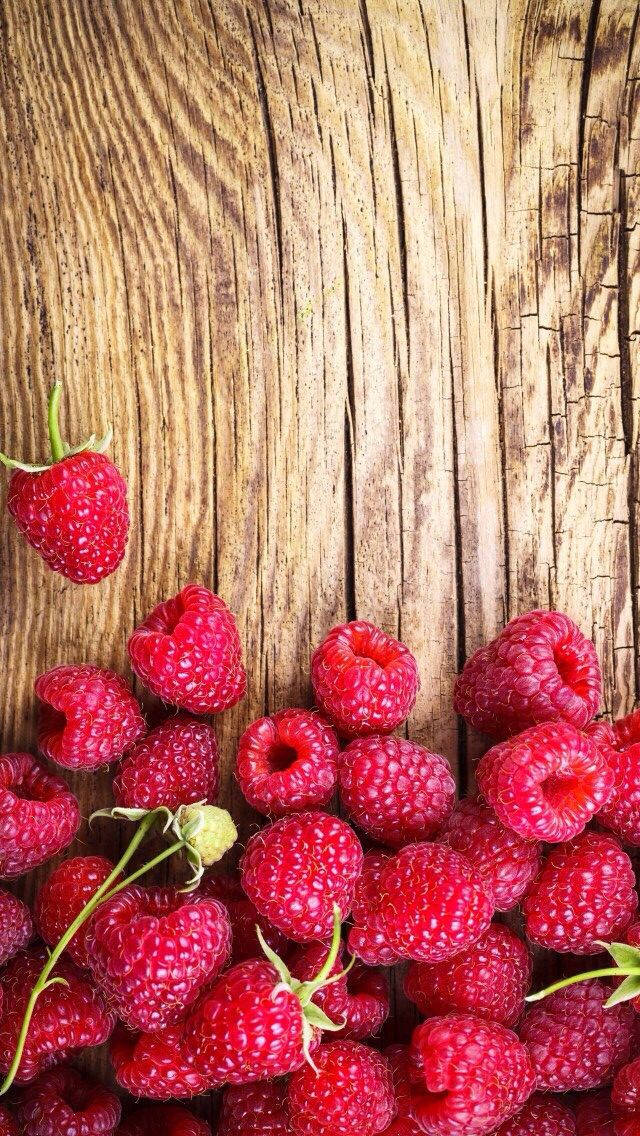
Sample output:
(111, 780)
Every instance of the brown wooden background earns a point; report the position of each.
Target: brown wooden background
(356, 282)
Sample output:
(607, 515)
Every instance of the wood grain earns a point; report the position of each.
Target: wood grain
(357, 283)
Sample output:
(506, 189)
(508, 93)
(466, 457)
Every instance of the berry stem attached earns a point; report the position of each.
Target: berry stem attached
(604, 972)
(58, 448)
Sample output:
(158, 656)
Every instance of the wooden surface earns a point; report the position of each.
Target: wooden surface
(356, 282)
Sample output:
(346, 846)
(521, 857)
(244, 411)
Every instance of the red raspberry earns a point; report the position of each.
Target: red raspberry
(593, 1115)
(621, 813)
(625, 1094)
(361, 996)
(395, 790)
(64, 1102)
(469, 1075)
(490, 979)
(350, 1095)
(63, 896)
(364, 681)
(540, 668)
(585, 892)
(16, 927)
(176, 764)
(163, 1120)
(365, 938)
(506, 862)
(255, 1110)
(626, 731)
(297, 868)
(8, 1126)
(576, 1044)
(88, 717)
(603, 734)
(188, 652)
(541, 1116)
(152, 949)
(243, 917)
(155, 1065)
(547, 782)
(39, 814)
(288, 762)
(403, 1123)
(67, 1017)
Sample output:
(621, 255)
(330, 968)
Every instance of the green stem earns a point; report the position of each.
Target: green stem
(58, 449)
(605, 972)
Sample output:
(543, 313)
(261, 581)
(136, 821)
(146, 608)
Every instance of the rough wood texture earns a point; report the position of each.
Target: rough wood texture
(357, 284)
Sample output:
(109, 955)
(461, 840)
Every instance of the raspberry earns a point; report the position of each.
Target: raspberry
(585, 892)
(297, 868)
(63, 896)
(576, 1044)
(540, 668)
(361, 997)
(593, 1115)
(243, 917)
(39, 814)
(88, 717)
(255, 1110)
(625, 1094)
(8, 1126)
(64, 1102)
(621, 813)
(626, 731)
(176, 764)
(188, 652)
(306, 962)
(364, 681)
(67, 1017)
(395, 790)
(155, 1065)
(490, 979)
(541, 1116)
(16, 927)
(547, 782)
(350, 1095)
(365, 938)
(506, 863)
(164, 1119)
(469, 1075)
(288, 762)
(152, 949)
(403, 1123)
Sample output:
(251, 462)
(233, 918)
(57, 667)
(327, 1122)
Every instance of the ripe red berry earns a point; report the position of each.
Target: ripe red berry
(575, 1044)
(8, 1126)
(626, 730)
(360, 997)
(364, 681)
(625, 1097)
(540, 668)
(350, 1094)
(288, 762)
(88, 717)
(585, 892)
(155, 1065)
(469, 1075)
(541, 1116)
(63, 896)
(399, 1062)
(366, 940)
(152, 950)
(593, 1114)
(297, 868)
(176, 764)
(490, 979)
(395, 790)
(16, 927)
(506, 862)
(547, 782)
(244, 918)
(64, 1102)
(163, 1120)
(39, 814)
(259, 1109)
(67, 1018)
(187, 652)
(621, 813)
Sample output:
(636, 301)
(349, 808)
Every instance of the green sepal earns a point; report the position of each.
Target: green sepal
(118, 812)
(627, 990)
(59, 448)
(627, 957)
(319, 1020)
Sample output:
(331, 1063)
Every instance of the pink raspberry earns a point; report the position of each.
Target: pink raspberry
(155, 1065)
(366, 940)
(88, 717)
(506, 862)
(16, 927)
(541, 1116)
(364, 681)
(259, 1109)
(351, 1095)
(547, 782)
(395, 790)
(163, 1120)
(176, 764)
(621, 813)
(490, 979)
(288, 762)
(63, 896)
(39, 815)
(593, 1114)
(540, 668)
(188, 652)
(585, 892)
(361, 997)
(64, 1102)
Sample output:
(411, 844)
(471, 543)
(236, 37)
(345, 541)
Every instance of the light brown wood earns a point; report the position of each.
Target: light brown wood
(357, 284)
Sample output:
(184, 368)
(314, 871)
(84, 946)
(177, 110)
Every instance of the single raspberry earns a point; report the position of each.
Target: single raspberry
(625, 1094)
(155, 1065)
(626, 730)
(490, 979)
(73, 510)
(16, 926)
(67, 1017)
(350, 1094)
(259, 1109)
(360, 997)
(64, 1102)
(297, 868)
(399, 1063)
(88, 717)
(244, 918)
(8, 1126)
(603, 734)
(541, 1116)
(152, 949)
(575, 1044)
(593, 1114)
(188, 652)
(506, 863)
(288, 762)
(164, 1119)
(176, 764)
(621, 813)
(363, 680)
(39, 815)
(540, 668)
(585, 892)
(547, 782)
(63, 896)
(395, 790)
(366, 940)
(469, 1075)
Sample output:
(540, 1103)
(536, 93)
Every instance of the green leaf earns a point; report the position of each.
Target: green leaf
(627, 990)
(628, 958)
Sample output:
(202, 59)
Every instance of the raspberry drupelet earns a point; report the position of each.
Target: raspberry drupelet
(88, 716)
(288, 762)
